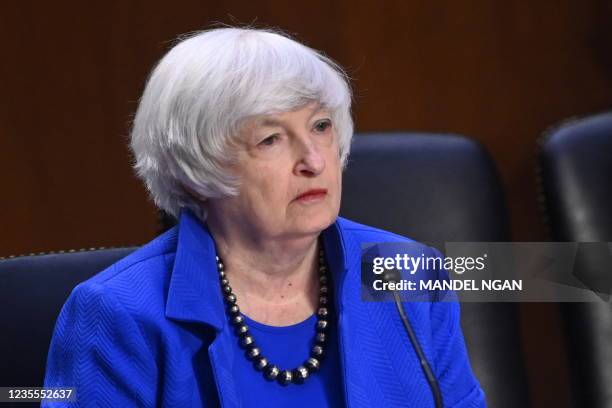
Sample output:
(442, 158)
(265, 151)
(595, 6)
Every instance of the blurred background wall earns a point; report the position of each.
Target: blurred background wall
(499, 72)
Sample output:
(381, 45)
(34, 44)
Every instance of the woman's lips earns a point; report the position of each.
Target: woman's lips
(312, 195)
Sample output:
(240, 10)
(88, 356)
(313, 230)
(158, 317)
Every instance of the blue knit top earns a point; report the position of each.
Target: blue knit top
(288, 347)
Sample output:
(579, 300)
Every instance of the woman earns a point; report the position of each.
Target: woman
(253, 299)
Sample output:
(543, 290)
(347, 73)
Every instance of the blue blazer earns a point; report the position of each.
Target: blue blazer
(150, 331)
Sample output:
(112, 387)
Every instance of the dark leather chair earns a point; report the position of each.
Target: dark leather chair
(437, 188)
(33, 289)
(575, 175)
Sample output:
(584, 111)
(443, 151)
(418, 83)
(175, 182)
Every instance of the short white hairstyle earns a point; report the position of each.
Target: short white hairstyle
(201, 92)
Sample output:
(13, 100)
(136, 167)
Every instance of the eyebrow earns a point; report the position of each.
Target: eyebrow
(271, 121)
(268, 121)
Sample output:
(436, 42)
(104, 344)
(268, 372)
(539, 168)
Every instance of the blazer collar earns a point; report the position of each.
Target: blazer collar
(194, 294)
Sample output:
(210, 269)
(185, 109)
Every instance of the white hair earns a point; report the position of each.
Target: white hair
(202, 91)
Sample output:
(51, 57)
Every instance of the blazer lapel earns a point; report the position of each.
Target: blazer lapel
(372, 346)
(194, 295)
(341, 251)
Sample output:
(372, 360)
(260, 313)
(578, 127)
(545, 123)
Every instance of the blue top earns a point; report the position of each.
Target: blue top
(151, 330)
(288, 347)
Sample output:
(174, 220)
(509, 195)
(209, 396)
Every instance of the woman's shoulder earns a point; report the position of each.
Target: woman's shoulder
(147, 259)
(135, 281)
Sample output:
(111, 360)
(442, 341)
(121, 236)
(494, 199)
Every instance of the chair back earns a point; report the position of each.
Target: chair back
(33, 289)
(442, 188)
(575, 177)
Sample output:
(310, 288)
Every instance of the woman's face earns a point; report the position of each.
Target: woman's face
(288, 165)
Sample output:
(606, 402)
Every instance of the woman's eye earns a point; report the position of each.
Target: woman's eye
(269, 141)
(322, 125)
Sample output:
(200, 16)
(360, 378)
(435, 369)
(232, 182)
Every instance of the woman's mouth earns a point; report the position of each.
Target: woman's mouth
(311, 196)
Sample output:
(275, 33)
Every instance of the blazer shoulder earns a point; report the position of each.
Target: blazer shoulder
(141, 277)
(147, 257)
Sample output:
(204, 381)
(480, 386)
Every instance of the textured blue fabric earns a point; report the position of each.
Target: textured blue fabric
(151, 330)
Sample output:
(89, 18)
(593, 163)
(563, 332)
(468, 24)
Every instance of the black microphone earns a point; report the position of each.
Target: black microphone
(394, 276)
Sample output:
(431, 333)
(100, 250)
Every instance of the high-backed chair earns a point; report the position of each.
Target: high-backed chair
(33, 289)
(575, 175)
(437, 188)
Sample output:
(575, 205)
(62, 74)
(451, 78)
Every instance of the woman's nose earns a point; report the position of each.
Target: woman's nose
(310, 160)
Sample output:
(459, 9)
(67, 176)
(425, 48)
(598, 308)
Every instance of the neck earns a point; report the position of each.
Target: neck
(274, 280)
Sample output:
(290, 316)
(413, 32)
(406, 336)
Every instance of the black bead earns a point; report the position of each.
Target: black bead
(312, 364)
(323, 300)
(231, 298)
(222, 274)
(323, 289)
(252, 353)
(237, 319)
(224, 282)
(227, 289)
(322, 312)
(300, 374)
(323, 279)
(242, 330)
(317, 351)
(320, 338)
(322, 325)
(285, 377)
(272, 372)
(260, 363)
(247, 340)
(234, 309)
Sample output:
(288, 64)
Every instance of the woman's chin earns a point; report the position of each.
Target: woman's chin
(314, 223)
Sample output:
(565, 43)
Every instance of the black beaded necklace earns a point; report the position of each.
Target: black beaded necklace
(253, 353)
